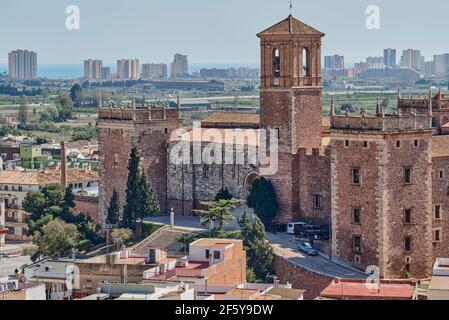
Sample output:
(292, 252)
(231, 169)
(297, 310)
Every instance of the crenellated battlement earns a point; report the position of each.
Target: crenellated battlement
(134, 114)
(390, 122)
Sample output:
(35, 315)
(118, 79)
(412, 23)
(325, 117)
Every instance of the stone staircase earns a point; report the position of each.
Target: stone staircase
(164, 238)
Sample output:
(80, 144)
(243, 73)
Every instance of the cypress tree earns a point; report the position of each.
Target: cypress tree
(114, 209)
(131, 210)
(148, 202)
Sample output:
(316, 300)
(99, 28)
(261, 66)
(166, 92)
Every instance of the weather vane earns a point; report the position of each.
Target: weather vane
(291, 7)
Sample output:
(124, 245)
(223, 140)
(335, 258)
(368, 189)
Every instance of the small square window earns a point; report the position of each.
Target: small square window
(356, 215)
(355, 173)
(408, 216)
(398, 144)
(347, 143)
(416, 143)
(408, 245)
(365, 144)
(407, 175)
(437, 212)
(217, 255)
(357, 244)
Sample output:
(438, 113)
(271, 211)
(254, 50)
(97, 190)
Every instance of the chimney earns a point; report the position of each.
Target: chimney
(63, 166)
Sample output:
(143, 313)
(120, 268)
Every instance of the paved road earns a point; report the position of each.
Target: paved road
(284, 247)
(281, 244)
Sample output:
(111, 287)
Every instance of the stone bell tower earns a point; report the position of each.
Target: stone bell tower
(291, 100)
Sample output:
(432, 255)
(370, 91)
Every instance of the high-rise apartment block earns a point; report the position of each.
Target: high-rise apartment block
(93, 69)
(154, 70)
(412, 59)
(441, 64)
(22, 65)
(389, 58)
(334, 62)
(128, 69)
(180, 66)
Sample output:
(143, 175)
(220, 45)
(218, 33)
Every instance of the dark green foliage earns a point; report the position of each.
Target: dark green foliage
(347, 107)
(149, 228)
(259, 252)
(218, 212)
(114, 209)
(263, 199)
(223, 194)
(55, 202)
(148, 205)
(76, 94)
(131, 209)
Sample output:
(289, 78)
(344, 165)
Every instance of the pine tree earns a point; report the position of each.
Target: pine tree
(148, 202)
(259, 251)
(131, 210)
(114, 209)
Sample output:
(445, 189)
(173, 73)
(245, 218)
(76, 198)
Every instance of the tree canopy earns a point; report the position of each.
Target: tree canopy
(259, 252)
(56, 238)
(263, 199)
(219, 213)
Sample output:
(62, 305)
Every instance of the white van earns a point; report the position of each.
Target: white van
(292, 225)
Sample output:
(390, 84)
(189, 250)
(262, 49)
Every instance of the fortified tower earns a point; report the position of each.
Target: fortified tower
(149, 129)
(381, 180)
(291, 101)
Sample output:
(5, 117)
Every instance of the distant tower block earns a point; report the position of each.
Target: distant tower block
(291, 100)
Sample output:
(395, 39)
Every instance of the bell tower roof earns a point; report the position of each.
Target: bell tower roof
(292, 26)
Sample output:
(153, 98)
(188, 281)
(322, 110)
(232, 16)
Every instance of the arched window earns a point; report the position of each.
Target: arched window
(305, 62)
(276, 63)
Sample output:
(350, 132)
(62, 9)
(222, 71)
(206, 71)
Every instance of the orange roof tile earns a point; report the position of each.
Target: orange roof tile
(40, 178)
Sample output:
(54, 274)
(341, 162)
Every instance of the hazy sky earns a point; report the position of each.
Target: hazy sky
(213, 31)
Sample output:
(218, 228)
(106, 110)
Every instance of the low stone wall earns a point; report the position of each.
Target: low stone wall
(300, 278)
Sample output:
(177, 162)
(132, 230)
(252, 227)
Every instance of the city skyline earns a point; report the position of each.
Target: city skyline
(211, 44)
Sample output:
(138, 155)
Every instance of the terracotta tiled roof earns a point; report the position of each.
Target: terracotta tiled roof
(291, 25)
(232, 120)
(204, 135)
(45, 178)
(440, 146)
(359, 290)
(439, 96)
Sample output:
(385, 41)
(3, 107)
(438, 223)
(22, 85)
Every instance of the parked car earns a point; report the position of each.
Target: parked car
(307, 248)
(293, 227)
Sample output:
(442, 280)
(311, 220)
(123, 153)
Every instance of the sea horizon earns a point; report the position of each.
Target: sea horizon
(69, 71)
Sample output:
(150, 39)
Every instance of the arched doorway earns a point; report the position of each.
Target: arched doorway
(249, 180)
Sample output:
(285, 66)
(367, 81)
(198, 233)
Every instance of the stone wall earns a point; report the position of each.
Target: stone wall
(116, 137)
(314, 179)
(383, 197)
(440, 185)
(301, 278)
(87, 205)
(189, 184)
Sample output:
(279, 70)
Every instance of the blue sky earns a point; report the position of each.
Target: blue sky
(212, 31)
